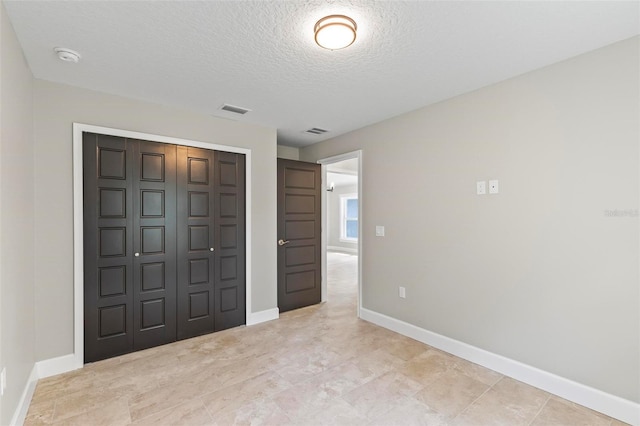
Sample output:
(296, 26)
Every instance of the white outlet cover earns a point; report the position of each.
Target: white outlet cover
(379, 231)
(481, 187)
(402, 292)
(493, 187)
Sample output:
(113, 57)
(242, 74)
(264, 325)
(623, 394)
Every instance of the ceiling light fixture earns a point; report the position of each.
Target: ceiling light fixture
(67, 55)
(335, 32)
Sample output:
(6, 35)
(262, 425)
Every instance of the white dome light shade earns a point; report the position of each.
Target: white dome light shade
(335, 32)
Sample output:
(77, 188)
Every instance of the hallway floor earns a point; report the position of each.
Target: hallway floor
(314, 366)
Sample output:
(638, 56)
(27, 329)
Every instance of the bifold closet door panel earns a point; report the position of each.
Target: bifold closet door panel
(196, 248)
(229, 219)
(108, 247)
(154, 242)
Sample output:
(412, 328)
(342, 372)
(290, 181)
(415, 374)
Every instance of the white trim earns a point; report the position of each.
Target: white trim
(324, 238)
(78, 272)
(53, 366)
(20, 414)
(343, 172)
(263, 316)
(611, 405)
(349, 250)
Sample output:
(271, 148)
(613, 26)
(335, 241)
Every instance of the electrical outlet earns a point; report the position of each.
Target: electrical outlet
(402, 292)
(493, 187)
(379, 231)
(3, 381)
(481, 187)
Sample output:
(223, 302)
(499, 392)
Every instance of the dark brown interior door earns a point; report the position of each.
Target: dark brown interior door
(299, 280)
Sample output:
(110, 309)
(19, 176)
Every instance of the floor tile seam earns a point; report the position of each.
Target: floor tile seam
(129, 412)
(455, 418)
(372, 378)
(546, 401)
(206, 409)
(369, 421)
(53, 412)
(469, 376)
(430, 407)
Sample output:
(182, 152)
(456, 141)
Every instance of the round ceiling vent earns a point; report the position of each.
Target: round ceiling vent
(67, 55)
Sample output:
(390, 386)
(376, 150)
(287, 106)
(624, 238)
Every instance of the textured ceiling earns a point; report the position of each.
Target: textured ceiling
(261, 54)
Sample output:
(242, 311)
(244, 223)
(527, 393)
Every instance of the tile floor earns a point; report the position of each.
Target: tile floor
(315, 366)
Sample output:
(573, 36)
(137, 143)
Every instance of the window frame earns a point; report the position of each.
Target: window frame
(343, 218)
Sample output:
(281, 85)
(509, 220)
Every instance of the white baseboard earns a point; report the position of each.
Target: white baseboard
(20, 414)
(263, 316)
(343, 249)
(59, 365)
(611, 405)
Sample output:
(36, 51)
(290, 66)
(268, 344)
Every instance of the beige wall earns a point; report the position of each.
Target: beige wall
(16, 223)
(538, 273)
(288, 152)
(56, 108)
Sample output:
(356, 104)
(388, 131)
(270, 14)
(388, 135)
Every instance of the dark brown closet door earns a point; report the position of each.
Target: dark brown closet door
(196, 251)
(154, 243)
(229, 219)
(164, 243)
(129, 245)
(108, 247)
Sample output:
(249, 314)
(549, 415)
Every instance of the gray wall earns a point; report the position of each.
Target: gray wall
(288, 152)
(16, 222)
(333, 219)
(538, 273)
(56, 108)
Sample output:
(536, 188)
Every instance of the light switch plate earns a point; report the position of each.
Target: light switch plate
(379, 231)
(481, 187)
(493, 187)
(3, 381)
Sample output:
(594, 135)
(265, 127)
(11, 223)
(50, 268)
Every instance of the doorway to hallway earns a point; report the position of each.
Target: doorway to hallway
(341, 239)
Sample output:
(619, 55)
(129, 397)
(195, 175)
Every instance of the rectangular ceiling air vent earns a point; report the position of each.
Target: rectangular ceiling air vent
(234, 109)
(316, 131)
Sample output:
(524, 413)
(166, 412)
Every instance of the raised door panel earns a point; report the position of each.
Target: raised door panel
(195, 240)
(229, 222)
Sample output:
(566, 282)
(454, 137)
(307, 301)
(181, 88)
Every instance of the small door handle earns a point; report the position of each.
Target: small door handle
(210, 248)
(136, 254)
(282, 242)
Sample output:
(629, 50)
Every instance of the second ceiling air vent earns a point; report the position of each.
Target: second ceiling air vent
(316, 131)
(234, 109)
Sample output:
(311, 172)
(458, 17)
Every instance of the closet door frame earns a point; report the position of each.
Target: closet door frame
(76, 360)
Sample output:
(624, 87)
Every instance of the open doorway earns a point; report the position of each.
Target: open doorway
(341, 219)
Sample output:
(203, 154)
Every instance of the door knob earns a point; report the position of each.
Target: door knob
(136, 254)
(210, 248)
(282, 242)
